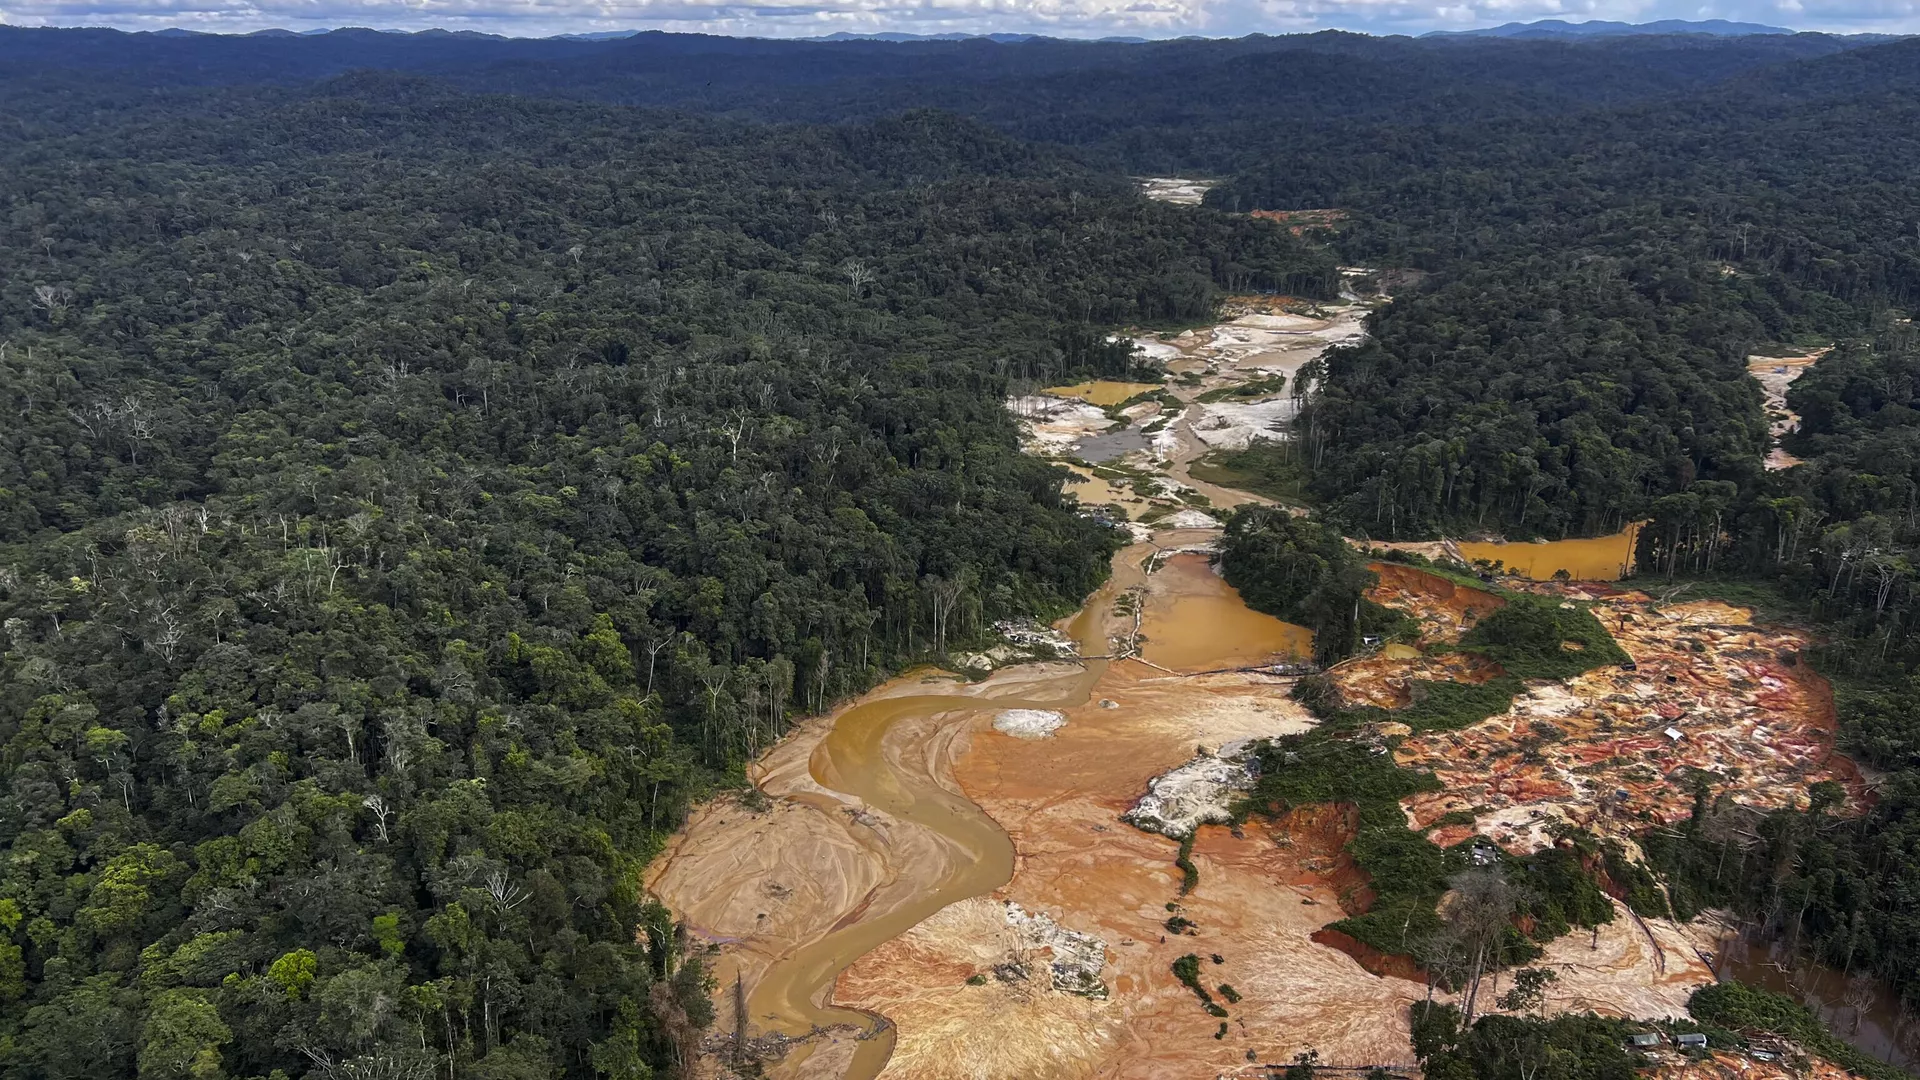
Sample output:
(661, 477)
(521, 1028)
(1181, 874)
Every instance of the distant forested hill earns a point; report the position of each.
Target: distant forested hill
(1211, 105)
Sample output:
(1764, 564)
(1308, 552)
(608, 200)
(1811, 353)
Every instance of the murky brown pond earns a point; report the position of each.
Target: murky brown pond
(1865, 1013)
(1601, 558)
(1101, 392)
(1211, 627)
(1091, 490)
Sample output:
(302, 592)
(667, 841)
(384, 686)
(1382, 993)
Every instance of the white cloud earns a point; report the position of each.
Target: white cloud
(1066, 18)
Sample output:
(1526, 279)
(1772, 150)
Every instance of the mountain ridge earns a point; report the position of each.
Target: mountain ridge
(1604, 28)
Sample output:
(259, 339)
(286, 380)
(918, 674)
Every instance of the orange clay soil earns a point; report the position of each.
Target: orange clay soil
(1613, 749)
(1445, 608)
(966, 985)
(867, 834)
(1725, 1065)
(1260, 899)
(1385, 679)
(1261, 904)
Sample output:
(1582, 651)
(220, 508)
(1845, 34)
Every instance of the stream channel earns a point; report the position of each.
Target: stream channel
(1193, 622)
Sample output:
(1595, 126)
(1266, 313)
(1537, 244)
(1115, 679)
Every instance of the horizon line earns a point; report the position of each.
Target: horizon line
(907, 37)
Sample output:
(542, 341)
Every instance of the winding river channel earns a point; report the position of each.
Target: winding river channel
(880, 771)
(852, 760)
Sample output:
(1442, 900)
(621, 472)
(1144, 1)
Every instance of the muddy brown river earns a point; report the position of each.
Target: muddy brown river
(1866, 1013)
(850, 760)
(1205, 626)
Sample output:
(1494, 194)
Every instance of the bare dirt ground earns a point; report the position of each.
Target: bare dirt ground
(1775, 374)
(1300, 222)
(1262, 342)
(1175, 189)
(1261, 902)
(968, 993)
(758, 884)
(1643, 968)
(1722, 1065)
(1384, 679)
(1261, 897)
(1713, 694)
(819, 877)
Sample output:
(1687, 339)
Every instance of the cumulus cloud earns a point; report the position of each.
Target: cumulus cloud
(1065, 18)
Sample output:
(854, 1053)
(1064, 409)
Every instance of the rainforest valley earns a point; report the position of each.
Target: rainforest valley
(434, 466)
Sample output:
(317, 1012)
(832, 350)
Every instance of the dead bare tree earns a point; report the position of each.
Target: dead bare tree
(506, 895)
(858, 276)
(943, 594)
(381, 813)
(52, 298)
(1480, 909)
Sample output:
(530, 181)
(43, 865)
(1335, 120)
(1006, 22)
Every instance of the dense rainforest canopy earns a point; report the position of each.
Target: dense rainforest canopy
(415, 499)
(430, 470)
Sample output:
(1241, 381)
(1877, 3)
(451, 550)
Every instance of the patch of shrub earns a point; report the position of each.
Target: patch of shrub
(1537, 637)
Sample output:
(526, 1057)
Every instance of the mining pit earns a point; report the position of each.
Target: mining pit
(1611, 751)
(1178, 190)
(982, 891)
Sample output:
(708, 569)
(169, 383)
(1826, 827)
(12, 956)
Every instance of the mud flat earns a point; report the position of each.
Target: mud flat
(842, 859)
(931, 897)
(1227, 425)
(968, 1002)
(871, 831)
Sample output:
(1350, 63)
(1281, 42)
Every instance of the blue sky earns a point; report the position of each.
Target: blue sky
(1065, 18)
